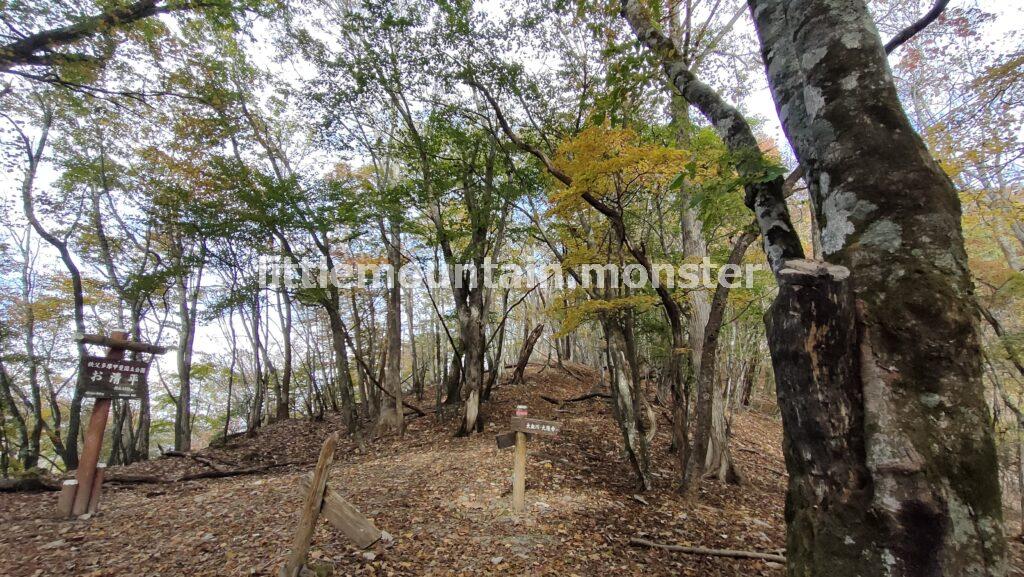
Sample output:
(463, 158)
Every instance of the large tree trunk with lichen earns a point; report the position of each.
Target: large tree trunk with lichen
(894, 368)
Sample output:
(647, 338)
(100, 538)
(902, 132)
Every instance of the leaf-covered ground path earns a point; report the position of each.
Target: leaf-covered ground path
(444, 499)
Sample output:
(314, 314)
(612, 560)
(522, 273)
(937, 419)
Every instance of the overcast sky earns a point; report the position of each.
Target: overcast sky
(1010, 17)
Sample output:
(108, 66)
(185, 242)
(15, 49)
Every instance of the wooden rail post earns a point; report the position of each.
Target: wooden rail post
(310, 509)
(94, 436)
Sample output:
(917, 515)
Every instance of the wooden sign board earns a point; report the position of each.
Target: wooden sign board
(105, 378)
(536, 426)
(505, 440)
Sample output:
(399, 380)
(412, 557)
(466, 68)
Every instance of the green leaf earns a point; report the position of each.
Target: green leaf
(678, 182)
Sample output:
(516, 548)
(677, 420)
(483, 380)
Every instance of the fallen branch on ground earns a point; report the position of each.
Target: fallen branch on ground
(132, 479)
(636, 541)
(555, 401)
(202, 460)
(29, 484)
(570, 372)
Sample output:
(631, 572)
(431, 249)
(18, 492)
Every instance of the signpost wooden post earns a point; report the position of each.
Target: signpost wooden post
(94, 435)
(522, 427)
(104, 378)
(519, 474)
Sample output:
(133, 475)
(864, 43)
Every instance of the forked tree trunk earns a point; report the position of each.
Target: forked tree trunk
(893, 469)
(710, 444)
(625, 386)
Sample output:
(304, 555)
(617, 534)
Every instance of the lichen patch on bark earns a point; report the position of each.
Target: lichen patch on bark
(885, 234)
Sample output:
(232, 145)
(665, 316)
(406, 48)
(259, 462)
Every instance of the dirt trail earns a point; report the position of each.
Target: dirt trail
(444, 499)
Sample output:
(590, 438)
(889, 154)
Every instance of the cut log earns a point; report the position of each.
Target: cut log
(346, 518)
(636, 541)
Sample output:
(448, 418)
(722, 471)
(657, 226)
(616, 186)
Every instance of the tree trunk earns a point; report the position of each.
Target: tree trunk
(364, 389)
(138, 448)
(183, 413)
(417, 376)
(392, 413)
(708, 455)
(910, 485)
(256, 410)
(344, 376)
(30, 452)
(187, 312)
(284, 391)
(747, 383)
(525, 352)
(471, 335)
(10, 407)
(78, 294)
(454, 381)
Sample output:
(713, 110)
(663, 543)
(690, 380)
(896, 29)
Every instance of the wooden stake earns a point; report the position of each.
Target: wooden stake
(345, 517)
(310, 509)
(66, 500)
(97, 488)
(94, 437)
(519, 474)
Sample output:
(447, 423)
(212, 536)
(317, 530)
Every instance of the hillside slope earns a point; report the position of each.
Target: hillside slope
(444, 499)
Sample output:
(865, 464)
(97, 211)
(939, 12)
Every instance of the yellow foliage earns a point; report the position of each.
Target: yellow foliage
(582, 312)
(612, 163)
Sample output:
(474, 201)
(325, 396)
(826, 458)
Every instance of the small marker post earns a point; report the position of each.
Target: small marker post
(67, 497)
(97, 488)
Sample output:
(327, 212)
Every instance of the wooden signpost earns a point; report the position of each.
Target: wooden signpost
(522, 428)
(103, 378)
(320, 499)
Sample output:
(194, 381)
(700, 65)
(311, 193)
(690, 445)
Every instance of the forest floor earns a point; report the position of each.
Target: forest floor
(444, 500)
